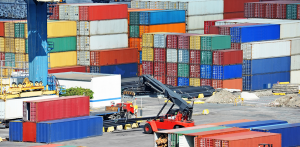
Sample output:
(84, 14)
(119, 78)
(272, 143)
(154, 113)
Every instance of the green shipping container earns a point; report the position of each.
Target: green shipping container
(62, 44)
(26, 46)
(183, 70)
(206, 57)
(134, 18)
(19, 30)
(10, 59)
(291, 11)
(134, 31)
(216, 42)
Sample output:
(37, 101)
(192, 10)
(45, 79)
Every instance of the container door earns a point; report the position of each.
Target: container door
(25, 116)
(32, 112)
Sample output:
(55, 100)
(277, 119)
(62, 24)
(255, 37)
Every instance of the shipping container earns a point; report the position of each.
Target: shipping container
(147, 68)
(2, 29)
(57, 29)
(215, 42)
(230, 122)
(102, 27)
(228, 57)
(295, 44)
(171, 55)
(135, 43)
(45, 110)
(235, 5)
(159, 54)
(29, 132)
(172, 69)
(62, 44)
(196, 22)
(228, 84)
(161, 17)
(195, 56)
(263, 81)
(209, 23)
(195, 71)
(172, 41)
(225, 29)
(183, 81)
(101, 42)
(254, 124)
(140, 69)
(183, 70)
(195, 41)
(220, 72)
(19, 29)
(9, 45)
(67, 69)
(94, 69)
(2, 44)
(19, 45)
(183, 56)
(270, 65)
(206, 72)
(9, 29)
(161, 79)
(198, 31)
(147, 54)
(159, 39)
(114, 56)
(69, 129)
(195, 82)
(234, 15)
(140, 57)
(184, 40)
(171, 81)
(125, 70)
(16, 131)
(288, 133)
(174, 28)
(266, 49)
(83, 58)
(206, 57)
(160, 69)
(295, 62)
(10, 59)
(62, 59)
(295, 76)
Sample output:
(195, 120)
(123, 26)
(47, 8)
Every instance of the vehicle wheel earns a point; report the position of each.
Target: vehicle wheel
(177, 127)
(118, 117)
(113, 117)
(148, 129)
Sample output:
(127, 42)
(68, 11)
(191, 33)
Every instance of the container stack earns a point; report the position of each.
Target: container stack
(42, 124)
(13, 9)
(295, 61)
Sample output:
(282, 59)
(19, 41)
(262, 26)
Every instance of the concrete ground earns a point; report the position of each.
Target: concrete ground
(256, 110)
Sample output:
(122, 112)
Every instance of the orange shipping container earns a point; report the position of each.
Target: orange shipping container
(135, 43)
(1, 29)
(140, 69)
(114, 56)
(174, 28)
(229, 84)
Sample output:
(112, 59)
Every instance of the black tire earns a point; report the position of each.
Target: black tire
(148, 129)
(177, 127)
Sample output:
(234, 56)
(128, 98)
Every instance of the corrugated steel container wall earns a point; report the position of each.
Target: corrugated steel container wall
(215, 42)
(206, 57)
(63, 59)
(226, 72)
(172, 69)
(114, 56)
(195, 82)
(196, 22)
(195, 57)
(270, 65)
(160, 54)
(159, 68)
(135, 43)
(184, 41)
(295, 76)
(195, 71)
(63, 44)
(61, 29)
(295, 44)
(206, 72)
(205, 82)
(29, 132)
(264, 81)
(83, 58)
(160, 40)
(289, 136)
(161, 79)
(108, 41)
(2, 29)
(235, 5)
(172, 41)
(253, 124)
(172, 55)
(174, 28)
(134, 31)
(183, 56)
(147, 40)
(200, 7)
(195, 42)
(263, 32)
(51, 109)
(19, 45)
(69, 129)
(9, 45)
(229, 84)
(147, 54)
(234, 15)
(183, 70)
(171, 81)
(100, 12)
(295, 62)
(209, 23)
(125, 70)
(9, 29)
(182, 81)
(147, 68)
(228, 57)
(2, 44)
(161, 17)
(230, 122)
(16, 131)
(67, 69)
(19, 30)
(268, 49)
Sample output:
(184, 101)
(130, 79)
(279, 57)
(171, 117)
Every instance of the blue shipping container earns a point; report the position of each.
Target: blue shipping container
(206, 71)
(264, 81)
(183, 56)
(269, 65)
(242, 34)
(16, 131)
(227, 72)
(183, 81)
(141, 57)
(69, 129)
(125, 70)
(254, 124)
(162, 17)
(95, 69)
(290, 133)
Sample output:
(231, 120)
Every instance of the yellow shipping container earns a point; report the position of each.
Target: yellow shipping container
(20, 57)
(9, 29)
(194, 81)
(147, 40)
(62, 59)
(195, 41)
(19, 45)
(26, 30)
(2, 42)
(9, 45)
(147, 54)
(61, 29)
(7, 72)
(26, 57)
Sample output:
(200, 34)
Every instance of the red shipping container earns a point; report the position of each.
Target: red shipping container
(2, 29)
(212, 23)
(205, 82)
(29, 132)
(227, 57)
(114, 56)
(228, 84)
(2, 59)
(54, 9)
(135, 43)
(184, 40)
(88, 69)
(260, 10)
(59, 108)
(249, 10)
(195, 56)
(172, 69)
(236, 46)
(225, 29)
(140, 69)
(214, 30)
(147, 67)
(159, 54)
(172, 41)
(195, 70)
(67, 69)
(159, 68)
(102, 12)
(235, 5)
(233, 15)
(161, 79)
(171, 81)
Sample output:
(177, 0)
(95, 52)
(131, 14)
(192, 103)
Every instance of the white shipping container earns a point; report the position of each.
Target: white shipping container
(100, 42)
(83, 58)
(102, 27)
(63, 12)
(172, 55)
(266, 49)
(295, 78)
(163, 5)
(295, 62)
(295, 46)
(154, 5)
(201, 31)
(202, 7)
(13, 108)
(159, 39)
(197, 22)
(173, 5)
(186, 141)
